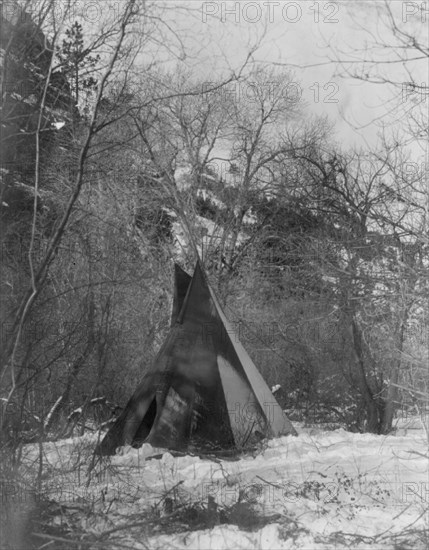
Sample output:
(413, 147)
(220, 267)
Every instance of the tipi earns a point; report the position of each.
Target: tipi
(203, 389)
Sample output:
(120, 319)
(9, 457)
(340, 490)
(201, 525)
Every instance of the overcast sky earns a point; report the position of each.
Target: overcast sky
(303, 36)
(297, 34)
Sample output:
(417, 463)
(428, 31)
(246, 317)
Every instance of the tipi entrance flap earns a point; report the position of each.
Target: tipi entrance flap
(170, 427)
(144, 428)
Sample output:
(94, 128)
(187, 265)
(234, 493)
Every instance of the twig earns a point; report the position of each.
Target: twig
(382, 535)
(60, 539)
(164, 496)
(269, 483)
(419, 454)
(78, 542)
(137, 524)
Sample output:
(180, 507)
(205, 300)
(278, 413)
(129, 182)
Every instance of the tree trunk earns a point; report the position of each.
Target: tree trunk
(392, 391)
(372, 409)
(390, 403)
(238, 223)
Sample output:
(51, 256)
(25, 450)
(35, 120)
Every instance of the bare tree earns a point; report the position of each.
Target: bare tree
(115, 41)
(376, 262)
(393, 53)
(88, 251)
(224, 136)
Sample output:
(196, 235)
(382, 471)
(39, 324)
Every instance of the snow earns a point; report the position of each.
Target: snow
(324, 489)
(224, 537)
(52, 411)
(209, 195)
(250, 218)
(183, 176)
(30, 100)
(210, 235)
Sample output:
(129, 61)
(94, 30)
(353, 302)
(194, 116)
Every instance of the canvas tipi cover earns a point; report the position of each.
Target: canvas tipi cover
(203, 389)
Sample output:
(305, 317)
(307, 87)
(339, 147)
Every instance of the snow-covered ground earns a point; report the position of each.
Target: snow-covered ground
(322, 489)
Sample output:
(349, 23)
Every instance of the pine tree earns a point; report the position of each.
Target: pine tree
(78, 62)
